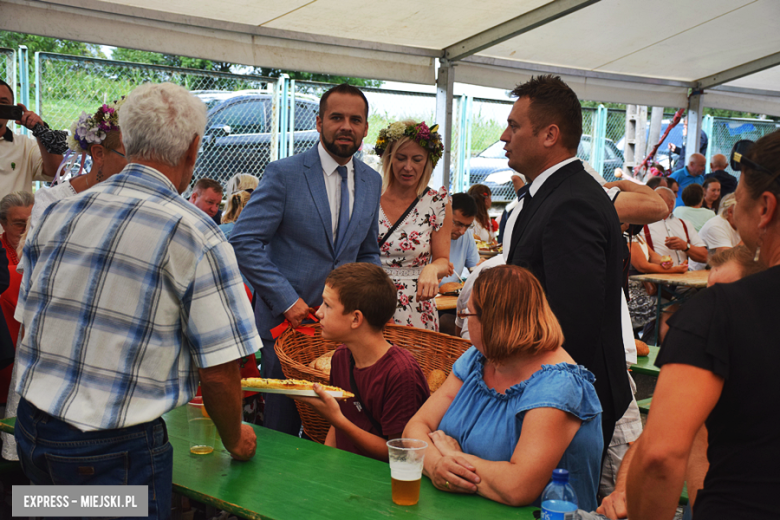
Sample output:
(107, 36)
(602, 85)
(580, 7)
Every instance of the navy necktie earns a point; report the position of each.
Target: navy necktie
(341, 230)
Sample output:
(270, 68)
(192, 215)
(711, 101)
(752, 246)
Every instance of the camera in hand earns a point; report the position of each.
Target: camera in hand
(11, 112)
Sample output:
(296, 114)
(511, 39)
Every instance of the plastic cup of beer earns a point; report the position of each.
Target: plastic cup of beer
(203, 432)
(406, 466)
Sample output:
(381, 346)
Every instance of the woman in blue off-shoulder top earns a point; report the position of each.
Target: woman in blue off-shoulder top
(516, 406)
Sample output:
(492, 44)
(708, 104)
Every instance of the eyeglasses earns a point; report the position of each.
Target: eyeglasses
(118, 153)
(461, 225)
(463, 315)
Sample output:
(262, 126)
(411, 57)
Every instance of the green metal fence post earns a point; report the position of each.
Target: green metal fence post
(284, 114)
(38, 84)
(291, 148)
(598, 140)
(24, 82)
(276, 108)
(707, 125)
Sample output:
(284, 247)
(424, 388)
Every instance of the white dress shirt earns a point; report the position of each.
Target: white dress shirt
(333, 185)
(535, 186)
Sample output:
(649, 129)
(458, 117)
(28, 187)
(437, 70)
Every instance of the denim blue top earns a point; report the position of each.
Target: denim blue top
(487, 424)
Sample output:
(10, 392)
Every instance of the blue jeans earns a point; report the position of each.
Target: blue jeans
(54, 453)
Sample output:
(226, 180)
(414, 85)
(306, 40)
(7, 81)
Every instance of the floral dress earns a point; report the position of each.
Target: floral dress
(407, 251)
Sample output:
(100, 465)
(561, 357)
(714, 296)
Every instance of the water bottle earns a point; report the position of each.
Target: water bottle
(559, 502)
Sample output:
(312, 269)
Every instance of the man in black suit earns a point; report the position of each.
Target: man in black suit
(718, 165)
(567, 234)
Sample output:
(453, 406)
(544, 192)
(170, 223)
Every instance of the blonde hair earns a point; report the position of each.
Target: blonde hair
(514, 313)
(240, 182)
(387, 163)
(727, 202)
(234, 207)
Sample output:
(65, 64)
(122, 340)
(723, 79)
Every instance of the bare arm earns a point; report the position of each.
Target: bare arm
(614, 505)
(51, 162)
(372, 445)
(221, 388)
(684, 397)
(440, 469)
(428, 283)
(698, 253)
(643, 265)
(697, 464)
(330, 439)
(637, 203)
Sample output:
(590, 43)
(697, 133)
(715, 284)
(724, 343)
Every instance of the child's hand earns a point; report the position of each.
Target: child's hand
(325, 404)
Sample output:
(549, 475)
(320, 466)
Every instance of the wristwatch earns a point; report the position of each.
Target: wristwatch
(688, 246)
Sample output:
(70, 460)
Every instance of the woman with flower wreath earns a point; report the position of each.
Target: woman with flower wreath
(96, 135)
(414, 221)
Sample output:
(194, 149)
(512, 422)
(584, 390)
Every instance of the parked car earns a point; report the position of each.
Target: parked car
(491, 167)
(238, 134)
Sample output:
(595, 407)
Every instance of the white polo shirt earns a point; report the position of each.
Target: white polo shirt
(20, 163)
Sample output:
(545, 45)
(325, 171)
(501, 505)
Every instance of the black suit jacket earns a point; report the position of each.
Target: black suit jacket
(569, 237)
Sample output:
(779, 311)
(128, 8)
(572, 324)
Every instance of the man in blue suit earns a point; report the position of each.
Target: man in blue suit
(310, 214)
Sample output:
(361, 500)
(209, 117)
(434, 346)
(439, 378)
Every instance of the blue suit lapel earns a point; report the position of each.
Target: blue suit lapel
(359, 205)
(313, 173)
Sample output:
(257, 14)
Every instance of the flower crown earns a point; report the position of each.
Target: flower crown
(93, 129)
(426, 137)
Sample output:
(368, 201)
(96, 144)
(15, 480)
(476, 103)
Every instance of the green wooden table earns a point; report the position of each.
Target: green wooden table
(646, 364)
(294, 479)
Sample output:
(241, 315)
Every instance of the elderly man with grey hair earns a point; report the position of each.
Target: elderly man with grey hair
(130, 297)
(674, 236)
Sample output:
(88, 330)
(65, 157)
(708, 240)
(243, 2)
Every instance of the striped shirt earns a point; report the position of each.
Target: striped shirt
(129, 290)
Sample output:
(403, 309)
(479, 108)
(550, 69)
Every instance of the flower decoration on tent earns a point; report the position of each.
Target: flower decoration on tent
(93, 129)
(428, 138)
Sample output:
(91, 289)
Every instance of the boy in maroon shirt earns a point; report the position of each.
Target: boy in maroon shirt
(389, 386)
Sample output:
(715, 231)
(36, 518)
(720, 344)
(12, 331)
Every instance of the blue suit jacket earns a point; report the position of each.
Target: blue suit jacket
(284, 239)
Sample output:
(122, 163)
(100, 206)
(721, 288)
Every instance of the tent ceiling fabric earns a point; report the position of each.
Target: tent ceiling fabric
(630, 51)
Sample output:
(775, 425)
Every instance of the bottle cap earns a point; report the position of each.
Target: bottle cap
(560, 475)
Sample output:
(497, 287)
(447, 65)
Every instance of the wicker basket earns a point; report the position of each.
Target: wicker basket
(432, 350)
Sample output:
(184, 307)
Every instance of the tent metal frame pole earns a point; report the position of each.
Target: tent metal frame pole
(445, 85)
(734, 73)
(514, 27)
(694, 118)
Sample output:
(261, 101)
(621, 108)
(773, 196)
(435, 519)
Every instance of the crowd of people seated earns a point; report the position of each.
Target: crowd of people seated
(173, 297)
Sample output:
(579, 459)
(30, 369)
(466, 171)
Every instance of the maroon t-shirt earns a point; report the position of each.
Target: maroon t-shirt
(393, 389)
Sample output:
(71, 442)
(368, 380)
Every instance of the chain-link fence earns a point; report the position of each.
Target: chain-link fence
(726, 132)
(238, 130)
(8, 70)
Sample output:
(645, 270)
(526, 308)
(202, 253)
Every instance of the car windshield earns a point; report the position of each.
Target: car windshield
(494, 151)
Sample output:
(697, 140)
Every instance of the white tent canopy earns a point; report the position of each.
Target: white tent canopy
(629, 51)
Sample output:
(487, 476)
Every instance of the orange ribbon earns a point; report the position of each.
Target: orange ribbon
(303, 329)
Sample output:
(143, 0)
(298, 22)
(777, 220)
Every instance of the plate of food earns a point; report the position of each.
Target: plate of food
(297, 387)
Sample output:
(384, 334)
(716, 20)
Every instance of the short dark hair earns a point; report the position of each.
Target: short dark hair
(464, 203)
(692, 195)
(654, 182)
(553, 102)
(766, 153)
(670, 181)
(366, 288)
(341, 89)
(205, 184)
(4, 84)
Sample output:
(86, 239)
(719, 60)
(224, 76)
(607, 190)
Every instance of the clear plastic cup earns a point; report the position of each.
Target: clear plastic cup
(406, 466)
(203, 432)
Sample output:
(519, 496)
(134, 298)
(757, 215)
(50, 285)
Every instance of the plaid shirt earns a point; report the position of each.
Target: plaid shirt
(128, 290)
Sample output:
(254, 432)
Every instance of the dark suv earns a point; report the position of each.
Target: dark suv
(238, 135)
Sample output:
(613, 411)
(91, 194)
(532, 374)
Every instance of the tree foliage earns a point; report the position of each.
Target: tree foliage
(13, 40)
